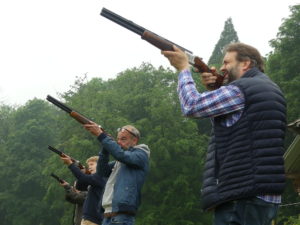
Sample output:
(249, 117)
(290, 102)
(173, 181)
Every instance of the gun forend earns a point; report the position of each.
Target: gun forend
(80, 118)
(57, 178)
(60, 153)
(76, 115)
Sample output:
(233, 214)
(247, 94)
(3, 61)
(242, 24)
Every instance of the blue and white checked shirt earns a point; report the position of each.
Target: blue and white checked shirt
(227, 100)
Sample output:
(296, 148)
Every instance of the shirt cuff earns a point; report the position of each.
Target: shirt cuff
(184, 73)
(101, 137)
(73, 164)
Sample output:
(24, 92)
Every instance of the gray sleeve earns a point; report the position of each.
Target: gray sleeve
(75, 197)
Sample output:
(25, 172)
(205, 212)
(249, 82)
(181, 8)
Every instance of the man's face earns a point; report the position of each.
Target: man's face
(92, 165)
(231, 68)
(126, 140)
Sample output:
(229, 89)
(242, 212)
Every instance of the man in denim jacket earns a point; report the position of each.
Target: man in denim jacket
(126, 175)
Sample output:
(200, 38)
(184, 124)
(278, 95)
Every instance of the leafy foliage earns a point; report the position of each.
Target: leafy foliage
(284, 68)
(146, 98)
(283, 62)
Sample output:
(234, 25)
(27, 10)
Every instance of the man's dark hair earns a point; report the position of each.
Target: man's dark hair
(245, 53)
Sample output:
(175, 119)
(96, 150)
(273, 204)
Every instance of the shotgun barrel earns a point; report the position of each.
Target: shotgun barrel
(163, 44)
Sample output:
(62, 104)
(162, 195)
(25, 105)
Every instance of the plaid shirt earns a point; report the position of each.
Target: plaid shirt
(227, 100)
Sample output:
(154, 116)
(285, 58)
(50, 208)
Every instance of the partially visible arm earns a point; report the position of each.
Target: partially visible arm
(73, 196)
(81, 186)
(221, 101)
(104, 168)
(87, 179)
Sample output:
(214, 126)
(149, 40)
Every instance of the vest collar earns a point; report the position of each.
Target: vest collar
(252, 72)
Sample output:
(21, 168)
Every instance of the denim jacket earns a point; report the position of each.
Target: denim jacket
(131, 175)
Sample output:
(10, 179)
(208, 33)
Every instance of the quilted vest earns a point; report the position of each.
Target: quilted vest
(246, 159)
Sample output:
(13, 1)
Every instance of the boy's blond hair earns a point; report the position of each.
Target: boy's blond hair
(92, 159)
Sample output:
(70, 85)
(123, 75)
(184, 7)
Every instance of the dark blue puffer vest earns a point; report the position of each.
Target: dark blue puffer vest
(246, 159)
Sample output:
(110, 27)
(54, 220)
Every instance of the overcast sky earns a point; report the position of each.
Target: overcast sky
(46, 44)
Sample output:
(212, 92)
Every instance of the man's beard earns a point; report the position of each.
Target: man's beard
(232, 74)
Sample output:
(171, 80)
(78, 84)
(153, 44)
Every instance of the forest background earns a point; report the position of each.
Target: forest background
(146, 97)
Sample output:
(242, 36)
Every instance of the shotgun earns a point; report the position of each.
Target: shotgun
(76, 115)
(57, 178)
(162, 44)
(60, 153)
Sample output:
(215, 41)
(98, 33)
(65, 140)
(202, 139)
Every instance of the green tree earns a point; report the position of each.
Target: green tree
(145, 97)
(284, 68)
(31, 129)
(228, 35)
(283, 62)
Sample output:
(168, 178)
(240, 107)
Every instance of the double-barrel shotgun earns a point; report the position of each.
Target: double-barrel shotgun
(76, 115)
(62, 154)
(162, 44)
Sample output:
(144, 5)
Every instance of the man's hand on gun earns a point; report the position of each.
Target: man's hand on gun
(67, 186)
(65, 183)
(93, 128)
(180, 61)
(177, 58)
(66, 159)
(208, 78)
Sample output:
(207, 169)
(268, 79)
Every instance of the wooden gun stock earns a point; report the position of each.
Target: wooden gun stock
(203, 68)
(162, 43)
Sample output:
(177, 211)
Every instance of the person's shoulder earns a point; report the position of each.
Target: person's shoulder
(143, 147)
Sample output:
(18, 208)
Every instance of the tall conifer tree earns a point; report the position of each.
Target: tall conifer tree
(228, 35)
